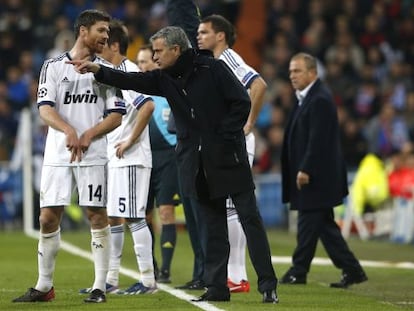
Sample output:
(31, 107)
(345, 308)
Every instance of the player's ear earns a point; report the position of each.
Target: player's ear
(221, 36)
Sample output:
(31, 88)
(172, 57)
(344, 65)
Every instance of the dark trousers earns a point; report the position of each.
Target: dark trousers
(197, 231)
(257, 242)
(218, 247)
(320, 224)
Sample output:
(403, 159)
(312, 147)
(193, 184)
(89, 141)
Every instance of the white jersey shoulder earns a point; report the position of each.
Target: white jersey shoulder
(79, 100)
(139, 153)
(241, 70)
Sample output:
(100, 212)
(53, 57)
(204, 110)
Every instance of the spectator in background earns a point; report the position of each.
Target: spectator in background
(27, 68)
(8, 129)
(9, 53)
(376, 59)
(347, 53)
(44, 29)
(73, 8)
(408, 114)
(342, 88)
(354, 143)
(17, 89)
(366, 101)
(315, 39)
(372, 33)
(386, 132)
(63, 42)
(269, 162)
(396, 84)
(16, 20)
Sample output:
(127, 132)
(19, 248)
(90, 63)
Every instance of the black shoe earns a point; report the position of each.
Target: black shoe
(33, 295)
(164, 277)
(192, 285)
(208, 296)
(96, 296)
(270, 296)
(349, 279)
(290, 278)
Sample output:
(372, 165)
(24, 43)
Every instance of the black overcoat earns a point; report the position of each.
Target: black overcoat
(210, 107)
(312, 145)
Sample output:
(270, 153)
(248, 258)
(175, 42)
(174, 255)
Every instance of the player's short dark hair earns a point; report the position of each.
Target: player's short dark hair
(221, 24)
(118, 34)
(88, 18)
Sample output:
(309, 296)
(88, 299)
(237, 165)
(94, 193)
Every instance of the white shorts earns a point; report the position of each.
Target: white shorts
(128, 191)
(250, 148)
(58, 182)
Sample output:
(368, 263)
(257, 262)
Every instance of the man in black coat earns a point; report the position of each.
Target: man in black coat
(210, 107)
(314, 178)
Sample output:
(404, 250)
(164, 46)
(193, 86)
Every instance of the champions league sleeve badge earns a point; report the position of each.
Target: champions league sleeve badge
(42, 92)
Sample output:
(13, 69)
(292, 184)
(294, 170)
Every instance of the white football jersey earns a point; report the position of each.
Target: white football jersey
(140, 152)
(82, 102)
(241, 70)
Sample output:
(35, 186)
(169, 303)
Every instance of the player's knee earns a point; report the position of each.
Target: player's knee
(97, 217)
(167, 214)
(49, 221)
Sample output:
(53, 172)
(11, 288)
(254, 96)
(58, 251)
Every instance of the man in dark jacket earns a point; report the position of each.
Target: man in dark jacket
(210, 108)
(314, 175)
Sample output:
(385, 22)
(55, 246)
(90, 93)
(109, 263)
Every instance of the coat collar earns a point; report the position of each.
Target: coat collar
(185, 63)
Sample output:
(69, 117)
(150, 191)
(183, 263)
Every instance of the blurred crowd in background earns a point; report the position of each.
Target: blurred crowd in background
(365, 50)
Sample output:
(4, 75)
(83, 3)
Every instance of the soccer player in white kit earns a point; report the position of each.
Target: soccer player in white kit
(215, 33)
(129, 171)
(79, 112)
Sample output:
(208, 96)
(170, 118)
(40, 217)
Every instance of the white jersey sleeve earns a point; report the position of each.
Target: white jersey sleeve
(241, 70)
(80, 101)
(139, 153)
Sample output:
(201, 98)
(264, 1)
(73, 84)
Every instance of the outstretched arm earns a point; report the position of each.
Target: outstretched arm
(143, 82)
(84, 66)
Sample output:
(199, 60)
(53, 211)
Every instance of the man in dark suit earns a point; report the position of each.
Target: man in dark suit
(314, 177)
(210, 108)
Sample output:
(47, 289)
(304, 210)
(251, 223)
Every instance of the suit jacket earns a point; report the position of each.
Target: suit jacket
(210, 108)
(312, 145)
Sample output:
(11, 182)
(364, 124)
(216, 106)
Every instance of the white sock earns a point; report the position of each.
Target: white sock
(236, 268)
(101, 249)
(141, 236)
(47, 249)
(117, 244)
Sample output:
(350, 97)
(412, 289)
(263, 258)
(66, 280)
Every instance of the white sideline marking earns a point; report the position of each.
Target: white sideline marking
(74, 250)
(365, 263)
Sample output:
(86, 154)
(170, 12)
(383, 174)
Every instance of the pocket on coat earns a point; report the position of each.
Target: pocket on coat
(229, 154)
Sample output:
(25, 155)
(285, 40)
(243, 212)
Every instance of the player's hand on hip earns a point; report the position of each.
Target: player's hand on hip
(248, 128)
(121, 147)
(302, 179)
